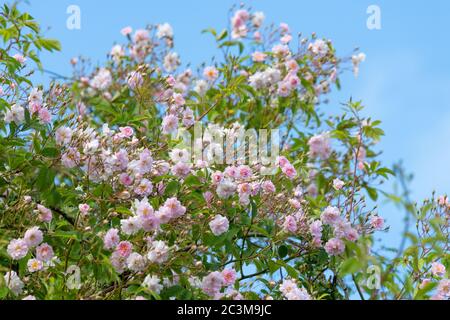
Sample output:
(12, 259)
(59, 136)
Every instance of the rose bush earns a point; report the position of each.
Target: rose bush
(101, 197)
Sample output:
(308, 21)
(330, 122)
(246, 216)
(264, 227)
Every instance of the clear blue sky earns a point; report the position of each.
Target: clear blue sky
(404, 82)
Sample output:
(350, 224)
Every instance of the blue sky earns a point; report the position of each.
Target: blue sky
(404, 81)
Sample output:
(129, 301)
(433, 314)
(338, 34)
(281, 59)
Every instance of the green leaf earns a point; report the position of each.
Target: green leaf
(282, 251)
(349, 266)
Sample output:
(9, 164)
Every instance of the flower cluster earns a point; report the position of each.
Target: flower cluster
(101, 173)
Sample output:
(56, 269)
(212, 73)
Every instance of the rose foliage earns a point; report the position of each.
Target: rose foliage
(101, 197)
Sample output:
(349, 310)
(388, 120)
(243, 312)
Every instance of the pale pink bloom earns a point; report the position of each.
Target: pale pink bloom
(45, 214)
(292, 81)
(244, 189)
(174, 208)
(141, 35)
(44, 115)
(217, 177)
(130, 226)
(20, 58)
(316, 229)
(351, 234)
(377, 222)
(70, 158)
(319, 146)
(118, 261)
(319, 47)
(284, 89)
(443, 288)
(138, 52)
(298, 294)
(188, 117)
(124, 249)
(126, 31)
(29, 297)
(171, 81)
(357, 60)
(231, 172)
(181, 169)
(361, 154)
(44, 252)
(159, 252)
(438, 269)
(257, 36)
(281, 50)
(442, 200)
(179, 155)
(13, 282)
(178, 99)
(284, 27)
(16, 114)
(295, 203)
(234, 294)
(258, 56)
(225, 189)
(136, 262)
(33, 237)
(219, 225)
(34, 265)
(334, 247)
(145, 162)
(117, 52)
(135, 80)
(144, 188)
(171, 61)
(361, 165)
(289, 171)
(152, 283)
(210, 73)
(212, 283)
(286, 39)
(102, 80)
(242, 14)
(208, 196)
(17, 249)
(268, 187)
(258, 19)
(81, 107)
(144, 209)
(164, 214)
(290, 224)
(244, 199)
(111, 239)
(229, 276)
(35, 96)
(338, 184)
(244, 172)
(424, 283)
(164, 31)
(256, 188)
(282, 161)
(331, 216)
(287, 286)
(169, 124)
(63, 136)
(84, 208)
(126, 132)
